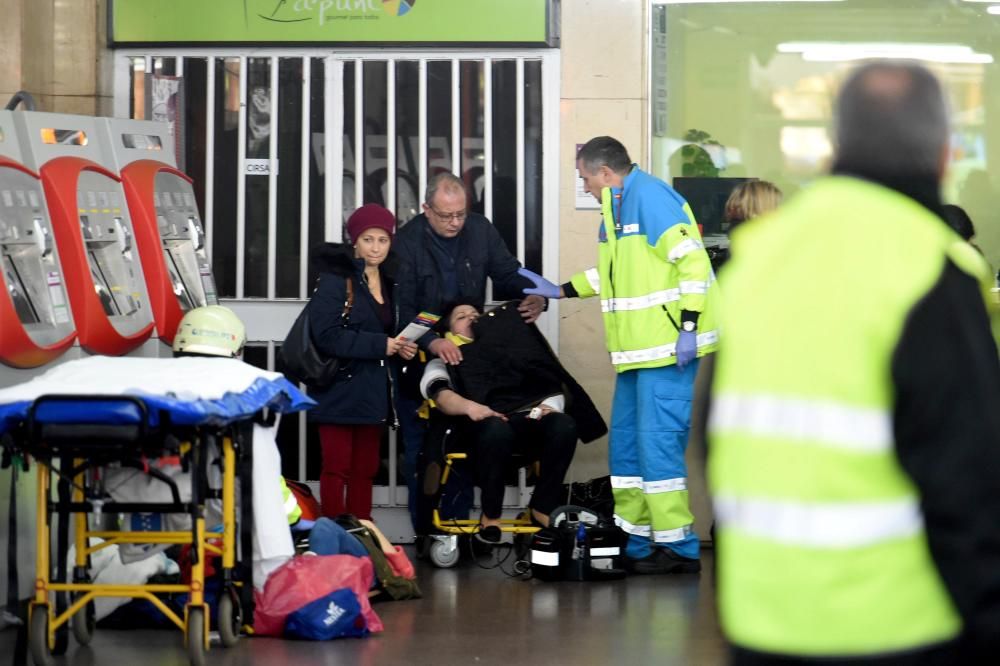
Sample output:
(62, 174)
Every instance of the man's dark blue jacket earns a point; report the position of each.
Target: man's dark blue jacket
(481, 253)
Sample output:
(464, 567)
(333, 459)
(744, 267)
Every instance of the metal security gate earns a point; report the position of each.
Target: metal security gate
(283, 144)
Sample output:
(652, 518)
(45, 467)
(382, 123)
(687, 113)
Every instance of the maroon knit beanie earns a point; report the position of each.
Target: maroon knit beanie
(370, 216)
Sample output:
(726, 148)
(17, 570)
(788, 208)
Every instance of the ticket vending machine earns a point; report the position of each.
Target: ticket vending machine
(92, 229)
(36, 324)
(168, 228)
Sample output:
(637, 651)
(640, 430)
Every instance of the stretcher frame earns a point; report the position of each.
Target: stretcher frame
(46, 618)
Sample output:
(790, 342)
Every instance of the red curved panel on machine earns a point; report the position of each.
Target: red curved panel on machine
(139, 179)
(96, 332)
(17, 349)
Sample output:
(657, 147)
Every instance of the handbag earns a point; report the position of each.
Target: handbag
(594, 494)
(302, 360)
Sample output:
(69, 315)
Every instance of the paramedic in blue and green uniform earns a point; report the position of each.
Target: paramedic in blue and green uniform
(657, 291)
(854, 420)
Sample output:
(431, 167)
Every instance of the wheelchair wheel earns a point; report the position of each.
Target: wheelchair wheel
(38, 636)
(444, 552)
(230, 617)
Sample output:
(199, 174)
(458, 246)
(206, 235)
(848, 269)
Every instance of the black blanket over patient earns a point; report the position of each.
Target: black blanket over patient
(510, 366)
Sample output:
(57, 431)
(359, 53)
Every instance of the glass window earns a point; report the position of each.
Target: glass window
(438, 117)
(471, 130)
(408, 199)
(747, 89)
(165, 66)
(533, 165)
(317, 185)
(376, 155)
(191, 160)
(258, 147)
(289, 203)
(505, 151)
(227, 109)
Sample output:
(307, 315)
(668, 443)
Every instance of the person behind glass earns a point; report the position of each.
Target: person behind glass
(541, 431)
(446, 255)
(750, 199)
(352, 412)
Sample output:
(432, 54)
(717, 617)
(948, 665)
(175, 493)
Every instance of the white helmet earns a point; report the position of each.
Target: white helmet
(212, 330)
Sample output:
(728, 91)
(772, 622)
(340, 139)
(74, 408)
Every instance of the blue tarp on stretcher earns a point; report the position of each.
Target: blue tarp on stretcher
(193, 391)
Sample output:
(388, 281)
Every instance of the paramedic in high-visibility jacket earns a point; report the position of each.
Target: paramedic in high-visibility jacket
(854, 428)
(657, 292)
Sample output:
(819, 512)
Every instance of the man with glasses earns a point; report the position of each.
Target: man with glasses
(446, 255)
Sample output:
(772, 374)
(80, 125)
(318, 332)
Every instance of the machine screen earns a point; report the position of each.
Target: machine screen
(110, 285)
(184, 296)
(18, 294)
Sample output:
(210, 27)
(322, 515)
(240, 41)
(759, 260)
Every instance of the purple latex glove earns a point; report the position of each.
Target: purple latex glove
(304, 525)
(542, 287)
(687, 348)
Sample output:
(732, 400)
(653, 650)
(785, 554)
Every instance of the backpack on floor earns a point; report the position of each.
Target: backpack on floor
(390, 585)
(307, 501)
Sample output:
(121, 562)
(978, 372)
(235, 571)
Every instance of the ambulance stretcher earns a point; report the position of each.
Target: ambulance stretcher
(82, 416)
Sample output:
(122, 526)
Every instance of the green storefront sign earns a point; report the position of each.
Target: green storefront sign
(355, 22)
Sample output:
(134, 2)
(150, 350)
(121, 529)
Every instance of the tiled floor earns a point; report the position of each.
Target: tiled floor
(471, 615)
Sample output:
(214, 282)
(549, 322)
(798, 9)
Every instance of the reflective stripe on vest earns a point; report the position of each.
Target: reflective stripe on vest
(802, 420)
(694, 286)
(291, 504)
(594, 279)
(683, 248)
(640, 302)
(662, 351)
(839, 525)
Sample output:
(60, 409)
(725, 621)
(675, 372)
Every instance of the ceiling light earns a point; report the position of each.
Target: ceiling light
(847, 51)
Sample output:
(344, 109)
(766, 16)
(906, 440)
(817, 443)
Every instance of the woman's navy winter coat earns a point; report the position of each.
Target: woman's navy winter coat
(360, 393)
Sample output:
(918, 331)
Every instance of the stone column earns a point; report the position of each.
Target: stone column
(61, 44)
(10, 49)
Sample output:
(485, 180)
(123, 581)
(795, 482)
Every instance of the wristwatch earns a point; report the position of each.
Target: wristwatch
(688, 326)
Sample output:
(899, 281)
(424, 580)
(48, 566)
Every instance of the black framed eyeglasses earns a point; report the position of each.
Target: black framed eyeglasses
(458, 216)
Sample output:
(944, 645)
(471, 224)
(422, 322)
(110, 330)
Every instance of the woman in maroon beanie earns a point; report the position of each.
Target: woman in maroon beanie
(353, 411)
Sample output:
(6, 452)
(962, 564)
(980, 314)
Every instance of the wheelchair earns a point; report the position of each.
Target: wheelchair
(443, 459)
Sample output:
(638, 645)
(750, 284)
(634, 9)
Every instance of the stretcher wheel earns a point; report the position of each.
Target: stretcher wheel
(230, 618)
(444, 553)
(196, 635)
(38, 639)
(84, 623)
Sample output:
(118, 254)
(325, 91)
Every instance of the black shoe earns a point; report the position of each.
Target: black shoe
(662, 561)
(489, 535)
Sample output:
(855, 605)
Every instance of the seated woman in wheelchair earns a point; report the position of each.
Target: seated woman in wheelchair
(510, 395)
